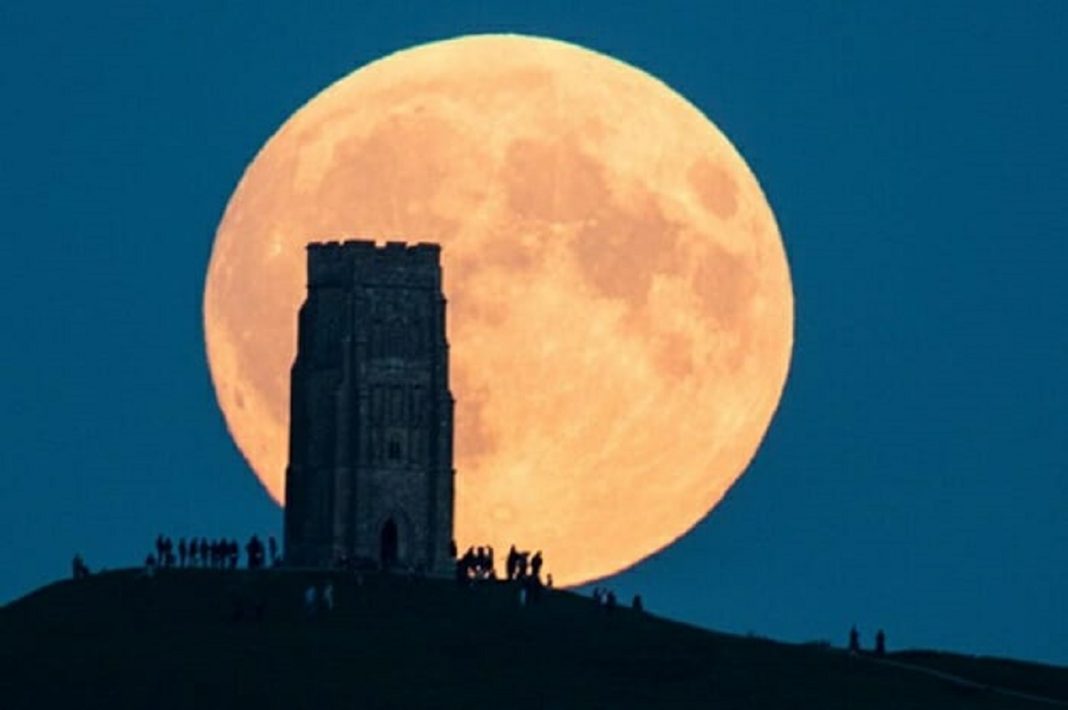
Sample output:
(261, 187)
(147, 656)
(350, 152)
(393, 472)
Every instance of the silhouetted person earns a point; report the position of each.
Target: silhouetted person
(610, 600)
(469, 564)
(880, 643)
(272, 546)
(637, 605)
(480, 562)
(159, 547)
(511, 563)
(597, 596)
(234, 551)
(854, 640)
(535, 565)
(471, 556)
(328, 597)
(251, 551)
(549, 581)
(205, 552)
(521, 565)
(490, 572)
(78, 568)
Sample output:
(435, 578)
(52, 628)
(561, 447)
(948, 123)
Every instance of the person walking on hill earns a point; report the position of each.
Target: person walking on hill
(79, 570)
(854, 640)
(880, 643)
(328, 597)
(254, 550)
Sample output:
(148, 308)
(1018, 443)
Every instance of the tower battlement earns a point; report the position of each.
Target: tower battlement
(337, 264)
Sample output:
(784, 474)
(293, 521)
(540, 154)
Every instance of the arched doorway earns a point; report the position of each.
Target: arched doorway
(387, 555)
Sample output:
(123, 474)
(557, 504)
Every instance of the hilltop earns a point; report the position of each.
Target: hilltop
(117, 640)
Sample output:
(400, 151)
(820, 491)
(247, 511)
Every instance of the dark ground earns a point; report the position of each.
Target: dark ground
(120, 641)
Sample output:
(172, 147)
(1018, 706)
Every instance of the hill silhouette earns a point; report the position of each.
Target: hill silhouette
(117, 640)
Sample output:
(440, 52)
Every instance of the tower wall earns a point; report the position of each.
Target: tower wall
(371, 414)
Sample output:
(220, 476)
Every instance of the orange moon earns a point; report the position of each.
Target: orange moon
(620, 308)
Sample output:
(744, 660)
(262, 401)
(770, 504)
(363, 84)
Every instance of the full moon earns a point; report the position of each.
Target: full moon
(620, 312)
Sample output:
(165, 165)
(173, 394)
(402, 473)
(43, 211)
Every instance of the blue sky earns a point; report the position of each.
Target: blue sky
(913, 153)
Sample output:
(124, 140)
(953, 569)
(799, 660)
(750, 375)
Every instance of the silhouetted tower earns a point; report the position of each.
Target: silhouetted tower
(370, 475)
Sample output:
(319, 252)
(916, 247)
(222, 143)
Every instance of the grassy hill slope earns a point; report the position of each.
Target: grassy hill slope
(117, 640)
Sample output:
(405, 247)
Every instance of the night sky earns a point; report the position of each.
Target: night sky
(914, 157)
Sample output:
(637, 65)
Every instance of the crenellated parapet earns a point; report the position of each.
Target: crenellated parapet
(340, 264)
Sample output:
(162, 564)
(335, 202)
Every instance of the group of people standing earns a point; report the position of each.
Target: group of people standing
(606, 598)
(79, 570)
(880, 642)
(319, 599)
(477, 564)
(520, 565)
(215, 554)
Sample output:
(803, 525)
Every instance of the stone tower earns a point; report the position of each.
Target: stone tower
(370, 476)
